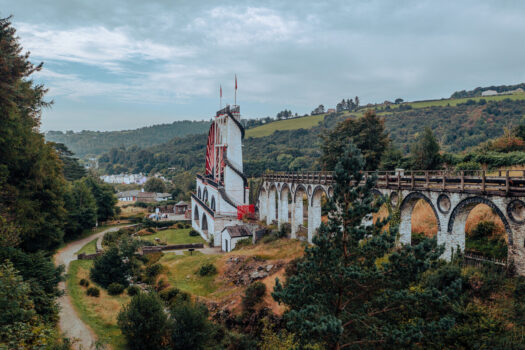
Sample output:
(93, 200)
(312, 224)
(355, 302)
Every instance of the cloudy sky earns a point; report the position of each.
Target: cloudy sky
(122, 64)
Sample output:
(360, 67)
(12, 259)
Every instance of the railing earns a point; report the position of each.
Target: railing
(498, 182)
(470, 259)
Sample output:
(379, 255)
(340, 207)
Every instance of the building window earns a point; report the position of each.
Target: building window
(199, 194)
(213, 203)
(196, 215)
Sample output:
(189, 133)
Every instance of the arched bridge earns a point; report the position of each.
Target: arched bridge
(283, 198)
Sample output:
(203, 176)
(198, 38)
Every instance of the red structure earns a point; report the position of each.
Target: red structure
(245, 209)
(215, 154)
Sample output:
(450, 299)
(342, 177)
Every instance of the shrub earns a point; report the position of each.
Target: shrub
(153, 270)
(194, 233)
(191, 328)
(243, 243)
(169, 293)
(115, 289)
(161, 285)
(133, 290)
(144, 323)
(84, 282)
(93, 292)
(207, 270)
(109, 268)
(253, 295)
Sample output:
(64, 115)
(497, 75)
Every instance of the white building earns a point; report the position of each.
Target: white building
(489, 93)
(223, 187)
(230, 235)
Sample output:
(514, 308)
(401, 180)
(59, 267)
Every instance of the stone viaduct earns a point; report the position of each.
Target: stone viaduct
(451, 195)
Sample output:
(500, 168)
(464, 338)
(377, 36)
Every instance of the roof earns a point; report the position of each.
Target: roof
(146, 195)
(238, 231)
(163, 194)
(131, 193)
(181, 203)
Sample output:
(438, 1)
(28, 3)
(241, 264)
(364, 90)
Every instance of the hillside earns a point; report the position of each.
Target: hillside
(97, 142)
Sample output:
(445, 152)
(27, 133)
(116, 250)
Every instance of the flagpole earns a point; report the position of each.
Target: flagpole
(236, 89)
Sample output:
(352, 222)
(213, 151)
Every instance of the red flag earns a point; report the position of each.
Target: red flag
(235, 81)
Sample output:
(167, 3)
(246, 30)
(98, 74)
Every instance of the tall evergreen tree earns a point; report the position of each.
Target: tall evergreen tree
(353, 289)
(81, 209)
(32, 184)
(425, 152)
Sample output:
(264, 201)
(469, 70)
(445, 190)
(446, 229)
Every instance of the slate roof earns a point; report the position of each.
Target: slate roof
(181, 203)
(238, 231)
(131, 193)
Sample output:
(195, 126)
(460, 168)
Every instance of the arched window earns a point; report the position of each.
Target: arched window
(196, 215)
(199, 193)
(213, 203)
(204, 223)
(205, 195)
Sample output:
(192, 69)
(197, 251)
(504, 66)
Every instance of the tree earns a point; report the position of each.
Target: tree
(81, 209)
(31, 180)
(356, 102)
(191, 328)
(109, 268)
(155, 185)
(144, 323)
(105, 198)
(20, 327)
(367, 133)
(425, 152)
(352, 289)
(398, 101)
(71, 167)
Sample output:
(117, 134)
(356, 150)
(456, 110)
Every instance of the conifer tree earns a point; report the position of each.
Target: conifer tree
(353, 288)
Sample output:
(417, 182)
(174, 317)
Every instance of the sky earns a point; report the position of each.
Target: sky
(123, 64)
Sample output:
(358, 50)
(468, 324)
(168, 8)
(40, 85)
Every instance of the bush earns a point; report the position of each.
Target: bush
(109, 268)
(84, 282)
(115, 289)
(169, 294)
(144, 323)
(243, 243)
(93, 292)
(207, 270)
(153, 270)
(253, 295)
(194, 233)
(191, 328)
(133, 290)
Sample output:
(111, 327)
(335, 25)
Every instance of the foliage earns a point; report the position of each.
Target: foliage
(193, 233)
(20, 326)
(109, 268)
(485, 239)
(241, 243)
(133, 290)
(84, 282)
(425, 152)
(191, 328)
(155, 184)
(72, 169)
(153, 270)
(477, 91)
(104, 197)
(42, 276)
(115, 289)
(367, 133)
(253, 295)
(93, 292)
(144, 322)
(81, 209)
(339, 295)
(207, 270)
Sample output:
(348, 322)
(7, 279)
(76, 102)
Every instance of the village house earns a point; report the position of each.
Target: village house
(232, 234)
(128, 196)
(181, 207)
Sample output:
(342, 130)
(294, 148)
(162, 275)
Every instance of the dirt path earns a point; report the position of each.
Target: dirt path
(70, 324)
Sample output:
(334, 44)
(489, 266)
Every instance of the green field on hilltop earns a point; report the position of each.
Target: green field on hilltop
(456, 101)
(288, 124)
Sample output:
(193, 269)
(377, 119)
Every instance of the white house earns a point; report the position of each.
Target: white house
(128, 196)
(489, 93)
(230, 235)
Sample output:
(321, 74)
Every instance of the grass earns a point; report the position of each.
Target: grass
(99, 313)
(89, 248)
(172, 236)
(288, 124)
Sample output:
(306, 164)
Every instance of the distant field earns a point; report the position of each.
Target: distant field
(311, 121)
(289, 124)
(181, 236)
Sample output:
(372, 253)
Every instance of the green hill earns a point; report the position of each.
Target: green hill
(288, 124)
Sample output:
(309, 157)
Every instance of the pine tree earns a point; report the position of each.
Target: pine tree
(352, 289)
(425, 152)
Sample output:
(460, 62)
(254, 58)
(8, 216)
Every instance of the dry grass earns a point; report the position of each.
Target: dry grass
(130, 210)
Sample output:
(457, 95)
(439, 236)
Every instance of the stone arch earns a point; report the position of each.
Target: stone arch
(271, 213)
(298, 210)
(458, 218)
(204, 223)
(315, 210)
(283, 204)
(205, 195)
(196, 214)
(299, 188)
(317, 193)
(199, 193)
(212, 205)
(406, 208)
(263, 203)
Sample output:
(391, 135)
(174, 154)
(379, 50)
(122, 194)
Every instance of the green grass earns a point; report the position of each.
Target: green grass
(454, 102)
(172, 236)
(182, 273)
(289, 124)
(89, 248)
(107, 333)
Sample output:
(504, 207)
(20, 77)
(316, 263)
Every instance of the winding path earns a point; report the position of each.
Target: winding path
(70, 324)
